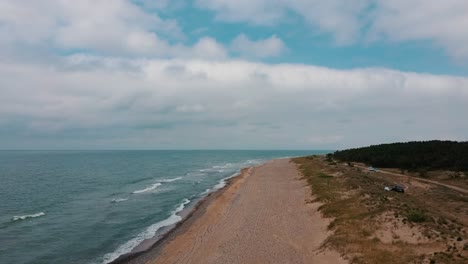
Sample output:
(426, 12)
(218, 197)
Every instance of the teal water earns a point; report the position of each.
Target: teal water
(92, 206)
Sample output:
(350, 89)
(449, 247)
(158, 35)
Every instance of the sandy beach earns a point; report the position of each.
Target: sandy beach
(262, 216)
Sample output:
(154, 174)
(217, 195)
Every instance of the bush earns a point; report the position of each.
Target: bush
(416, 216)
(422, 173)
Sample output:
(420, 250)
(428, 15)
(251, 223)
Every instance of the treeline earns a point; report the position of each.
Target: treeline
(417, 155)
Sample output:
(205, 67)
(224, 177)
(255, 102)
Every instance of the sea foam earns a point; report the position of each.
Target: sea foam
(156, 185)
(222, 182)
(148, 189)
(119, 200)
(24, 217)
(147, 234)
(171, 180)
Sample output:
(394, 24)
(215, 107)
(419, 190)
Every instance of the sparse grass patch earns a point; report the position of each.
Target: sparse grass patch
(355, 201)
(323, 175)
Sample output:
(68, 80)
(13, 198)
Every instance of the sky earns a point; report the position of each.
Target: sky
(223, 74)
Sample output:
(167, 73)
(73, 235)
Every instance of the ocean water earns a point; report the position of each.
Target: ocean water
(92, 206)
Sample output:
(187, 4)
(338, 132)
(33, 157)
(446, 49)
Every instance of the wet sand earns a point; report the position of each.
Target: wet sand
(262, 216)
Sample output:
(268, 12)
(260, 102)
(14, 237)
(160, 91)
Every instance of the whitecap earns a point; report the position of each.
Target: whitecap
(171, 180)
(218, 168)
(148, 189)
(119, 200)
(147, 234)
(24, 217)
(207, 191)
(196, 174)
(222, 182)
(253, 162)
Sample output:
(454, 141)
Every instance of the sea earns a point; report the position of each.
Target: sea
(93, 206)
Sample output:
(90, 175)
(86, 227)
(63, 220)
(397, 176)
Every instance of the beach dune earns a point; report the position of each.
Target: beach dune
(261, 217)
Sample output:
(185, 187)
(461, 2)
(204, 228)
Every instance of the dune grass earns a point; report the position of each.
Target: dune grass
(355, 201)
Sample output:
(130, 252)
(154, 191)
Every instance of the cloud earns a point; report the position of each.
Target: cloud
(259, 12)
(98, 102)
(340, 18)
(108, 27)
(115, 74)
(441, 22)
(209, 48)
(263, 48)
(324, 139)
(161, 4)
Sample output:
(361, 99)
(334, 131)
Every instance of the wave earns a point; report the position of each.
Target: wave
(226, 167)
(156, 185)
(171, 180)
(148, 189)
(119, 200)
(254, 162)
(219, 168)
(147, 234)
(222, 182)
(140, 180)
(24, 217)
(207, 191)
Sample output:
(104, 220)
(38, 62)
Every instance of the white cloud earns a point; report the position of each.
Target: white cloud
(209, 48)
(262, 12)
(441, 22)
(340, 18)
(161, 4)
(444, 22)
(263, 48)
(145, 88)
(230, 104)
(324, 139)
(109, 27)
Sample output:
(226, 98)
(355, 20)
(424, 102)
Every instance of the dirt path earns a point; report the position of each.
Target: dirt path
(262, 217)
(455, 188)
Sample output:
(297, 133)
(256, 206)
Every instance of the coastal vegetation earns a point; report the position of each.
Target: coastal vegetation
(371, 225)
(419, 156)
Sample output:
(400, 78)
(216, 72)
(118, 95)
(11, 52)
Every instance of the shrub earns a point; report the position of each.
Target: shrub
(416, 216)
(422, 173)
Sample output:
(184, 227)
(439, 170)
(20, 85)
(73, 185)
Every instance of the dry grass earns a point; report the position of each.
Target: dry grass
(356, 202)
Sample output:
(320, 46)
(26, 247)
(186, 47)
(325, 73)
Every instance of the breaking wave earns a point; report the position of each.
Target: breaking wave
(119, 200)
(24, 217)
(171, 180)
(148, 189)
(147, 234)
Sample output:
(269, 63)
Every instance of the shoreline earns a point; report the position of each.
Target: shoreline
(194, 211)
(223, 227)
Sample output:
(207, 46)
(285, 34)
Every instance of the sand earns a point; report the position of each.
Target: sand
(261, 217)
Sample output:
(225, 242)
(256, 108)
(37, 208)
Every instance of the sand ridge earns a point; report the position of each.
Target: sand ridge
(262, 217)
